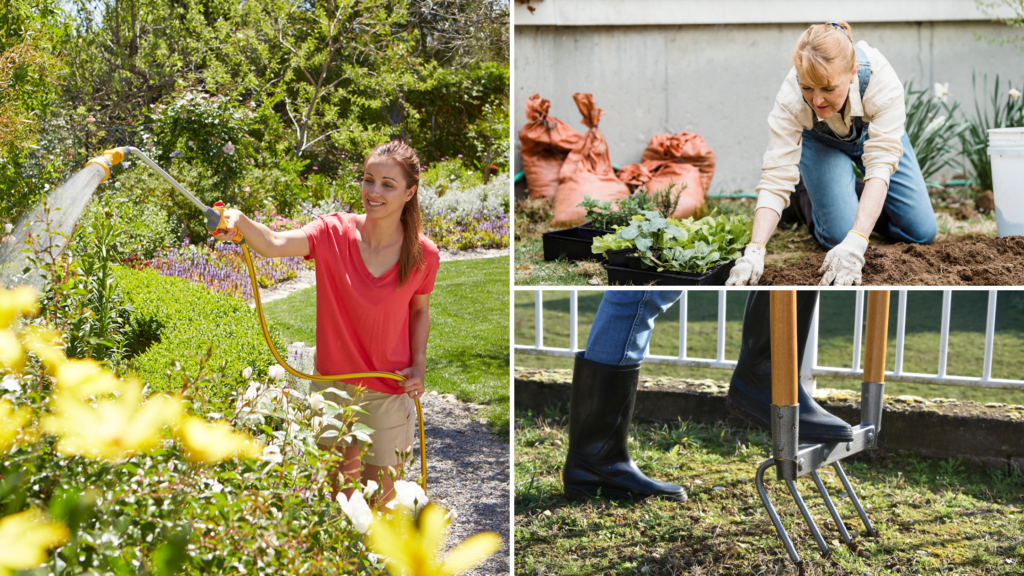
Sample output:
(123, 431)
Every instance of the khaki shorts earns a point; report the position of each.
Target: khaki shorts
(391, 416)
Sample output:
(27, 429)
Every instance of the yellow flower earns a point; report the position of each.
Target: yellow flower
(111, 429)
(26, 537)
(44, 343)
(18, 302)
(84, 378)
(209, 443)
(12, 357)
(412, 550)
(11, 423)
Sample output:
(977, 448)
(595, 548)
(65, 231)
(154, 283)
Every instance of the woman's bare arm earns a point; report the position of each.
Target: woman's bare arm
(263, 240)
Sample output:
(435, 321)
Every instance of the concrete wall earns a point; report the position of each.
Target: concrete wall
(720, 80)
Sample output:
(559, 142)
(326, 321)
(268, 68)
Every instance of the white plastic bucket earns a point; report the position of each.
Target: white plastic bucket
(1006, 147)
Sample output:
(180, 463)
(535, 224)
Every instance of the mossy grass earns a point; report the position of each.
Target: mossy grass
(933, 517)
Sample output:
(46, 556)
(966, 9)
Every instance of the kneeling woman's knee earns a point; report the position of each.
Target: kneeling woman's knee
(923, 231)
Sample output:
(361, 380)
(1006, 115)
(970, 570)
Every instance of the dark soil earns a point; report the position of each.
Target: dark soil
(968, 261)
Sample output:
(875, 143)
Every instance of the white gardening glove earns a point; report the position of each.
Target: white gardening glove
(748, 268)
(844, 262)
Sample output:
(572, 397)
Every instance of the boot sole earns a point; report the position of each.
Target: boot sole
(749, 417)
(614, 494)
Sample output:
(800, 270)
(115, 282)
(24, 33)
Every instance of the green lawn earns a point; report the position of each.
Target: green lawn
(966, 341)
(933, 517)
(468, 350)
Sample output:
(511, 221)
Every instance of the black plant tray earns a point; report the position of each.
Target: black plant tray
(618, 257)
(619, 276)
(575, 243)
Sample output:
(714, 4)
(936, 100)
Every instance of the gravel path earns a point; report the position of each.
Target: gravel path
(467, 465)
(468, 473)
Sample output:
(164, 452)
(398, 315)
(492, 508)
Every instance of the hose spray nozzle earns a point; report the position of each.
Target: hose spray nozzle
(109, 158)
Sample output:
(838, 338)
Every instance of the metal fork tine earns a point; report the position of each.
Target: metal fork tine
(853, 497)
(825, 552)
(779, 529)
(831, 507)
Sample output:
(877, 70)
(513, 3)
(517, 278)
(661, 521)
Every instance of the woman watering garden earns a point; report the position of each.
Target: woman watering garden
(841, 101)
(375, 272)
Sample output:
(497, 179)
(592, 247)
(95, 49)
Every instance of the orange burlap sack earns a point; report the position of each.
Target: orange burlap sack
(587, 171)
(683, 159)
(545, 142)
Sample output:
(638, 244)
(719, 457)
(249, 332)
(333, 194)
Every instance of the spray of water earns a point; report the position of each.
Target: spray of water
(65, 205)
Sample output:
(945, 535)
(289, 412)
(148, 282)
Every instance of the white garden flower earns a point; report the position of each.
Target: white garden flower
(318, 423)
(357, 510)
(934, 125)
(11, 384)
(409, 495)
(1014, 93)
(316, 401)
(370, 488)
(229, 148)
(253, 391)
(276, 372)
(8, 228)
(942, 91)
(247, 373)
(272, 454)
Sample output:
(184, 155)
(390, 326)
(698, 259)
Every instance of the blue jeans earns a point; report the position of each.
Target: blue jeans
(622, 328)
(907, 215)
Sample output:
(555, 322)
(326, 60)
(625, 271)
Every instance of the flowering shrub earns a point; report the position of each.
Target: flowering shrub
(204, 129)
(467, 216)
(133, 485)
(221, 266)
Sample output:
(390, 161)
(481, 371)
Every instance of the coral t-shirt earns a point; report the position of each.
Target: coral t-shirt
(362, 322)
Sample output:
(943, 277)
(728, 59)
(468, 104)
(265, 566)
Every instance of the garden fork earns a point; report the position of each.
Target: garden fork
(792, 459)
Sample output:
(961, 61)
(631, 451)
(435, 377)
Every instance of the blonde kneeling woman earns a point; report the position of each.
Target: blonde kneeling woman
(374, 275)
(840, 102)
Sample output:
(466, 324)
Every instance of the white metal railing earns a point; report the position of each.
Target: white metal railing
(809, 369)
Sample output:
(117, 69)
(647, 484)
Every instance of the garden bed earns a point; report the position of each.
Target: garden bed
(968, 261)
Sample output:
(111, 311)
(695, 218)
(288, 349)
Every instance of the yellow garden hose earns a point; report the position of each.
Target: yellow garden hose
(297, 374)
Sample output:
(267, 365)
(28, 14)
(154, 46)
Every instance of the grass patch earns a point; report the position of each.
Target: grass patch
(468, 351)
(835, 345)
(933, 517)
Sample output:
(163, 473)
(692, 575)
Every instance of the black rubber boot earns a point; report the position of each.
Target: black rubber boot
(598, 461)
(750, 391)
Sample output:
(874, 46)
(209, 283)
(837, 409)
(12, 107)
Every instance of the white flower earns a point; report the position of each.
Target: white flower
(934, 125)
(318, 423)
(229, 148)
(942, 91)
(247, 373)
(214, 415)
(409, 495)
(217, 487)
(276, 372)
(11, 383)
(8, 228)
(357, 510)
(1014, 94)
(272, 454)
(316, 401)
(370, 488)
(253, 391)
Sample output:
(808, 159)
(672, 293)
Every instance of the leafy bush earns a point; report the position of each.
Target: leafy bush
(192, 318)
(141, 225)
(204, 129)
(932, 128)
(449, 173)
(1006, 113)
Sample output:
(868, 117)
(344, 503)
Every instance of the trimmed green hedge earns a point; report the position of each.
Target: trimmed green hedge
(182, 320)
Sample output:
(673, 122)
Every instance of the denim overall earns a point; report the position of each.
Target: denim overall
(907, 215)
